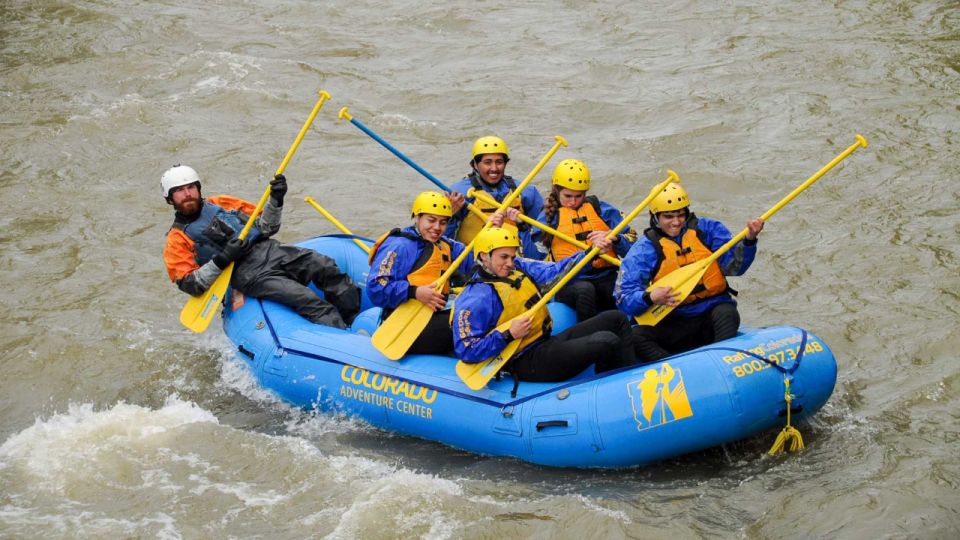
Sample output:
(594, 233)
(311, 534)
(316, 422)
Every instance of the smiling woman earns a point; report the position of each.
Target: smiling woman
(575, 214)
(405, 265)
(676, 239)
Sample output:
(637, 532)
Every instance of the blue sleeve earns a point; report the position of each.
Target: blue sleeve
(536, 240)
(544, 272)
(532, 203)
(475, 315)
(532, 249)
(636, 269)
(542, 218)
(736, 260)
(612, 216)
(387, 284)
(455, 251)
(462, 187)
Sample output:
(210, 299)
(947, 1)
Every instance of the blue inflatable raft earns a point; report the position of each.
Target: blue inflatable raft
(703, 398)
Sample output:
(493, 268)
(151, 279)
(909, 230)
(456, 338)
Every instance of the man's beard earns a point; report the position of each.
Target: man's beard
(189, 207)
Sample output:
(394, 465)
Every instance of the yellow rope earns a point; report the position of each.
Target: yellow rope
(789, 433)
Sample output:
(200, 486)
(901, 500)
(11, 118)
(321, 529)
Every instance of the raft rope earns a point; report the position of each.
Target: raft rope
(789, 433)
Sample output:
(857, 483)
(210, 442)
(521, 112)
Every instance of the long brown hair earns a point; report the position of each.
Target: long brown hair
(551, 205)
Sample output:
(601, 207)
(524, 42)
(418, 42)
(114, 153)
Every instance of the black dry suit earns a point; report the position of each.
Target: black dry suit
(274, 271)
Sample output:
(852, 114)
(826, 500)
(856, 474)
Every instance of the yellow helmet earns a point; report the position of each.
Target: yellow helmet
(490, 145)
(431, 202)
(572, 174)
(673, 197)
(493, 238)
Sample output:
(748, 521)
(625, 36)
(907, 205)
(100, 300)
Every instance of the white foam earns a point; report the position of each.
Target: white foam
(404, 501)
(617, 515)
(235, 375)
(248, 493)
(52, 448)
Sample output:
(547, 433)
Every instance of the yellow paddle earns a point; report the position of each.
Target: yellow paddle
(336, 223)
(485, 197)
(684, 279)
(199, 311)
(404, 325)
(476, 375)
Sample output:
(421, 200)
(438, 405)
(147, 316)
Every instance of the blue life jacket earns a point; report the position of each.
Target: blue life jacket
(211, 230)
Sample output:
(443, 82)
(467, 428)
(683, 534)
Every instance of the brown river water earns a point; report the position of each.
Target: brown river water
(116, 422)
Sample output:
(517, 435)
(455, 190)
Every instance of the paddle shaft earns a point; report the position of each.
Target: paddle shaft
(324, 96)
(336, 223)
(345, 114)
(485, 197)
(783, 202)
(403, 157)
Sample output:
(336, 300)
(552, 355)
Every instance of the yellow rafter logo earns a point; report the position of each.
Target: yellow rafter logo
(659, 397)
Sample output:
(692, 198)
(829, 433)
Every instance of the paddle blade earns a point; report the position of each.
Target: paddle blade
(200, 310)
(682, 280)
(477, 375)
(401, 329)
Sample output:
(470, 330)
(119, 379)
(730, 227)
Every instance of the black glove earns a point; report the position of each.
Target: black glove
(235, 250)
(278, 188)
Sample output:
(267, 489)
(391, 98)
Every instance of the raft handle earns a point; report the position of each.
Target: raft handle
(244, 351)
(551, 423)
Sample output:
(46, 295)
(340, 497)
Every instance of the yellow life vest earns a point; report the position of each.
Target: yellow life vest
(518, 293)
(434, 259)
(691, 249)
(472, 224)
(579, 223)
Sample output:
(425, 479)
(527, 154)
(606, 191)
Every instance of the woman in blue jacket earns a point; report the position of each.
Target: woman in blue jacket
(676, 238)
(405, 264)
(571, 211)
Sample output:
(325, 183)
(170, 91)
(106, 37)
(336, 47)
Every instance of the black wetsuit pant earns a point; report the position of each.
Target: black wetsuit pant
(589, 296)
(274, 271)
(604, 340)
(436, 338)
(676, 333)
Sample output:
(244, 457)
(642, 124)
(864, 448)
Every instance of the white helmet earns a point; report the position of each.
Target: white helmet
(176, 176)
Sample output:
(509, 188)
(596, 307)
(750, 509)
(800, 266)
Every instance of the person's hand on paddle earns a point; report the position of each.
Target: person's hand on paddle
(456, 200)
(520, 326)
(754, 226)
(430, 297)
(496, 220)
(278, 188)
(234, 250)
(665, 296)
(598, 239)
